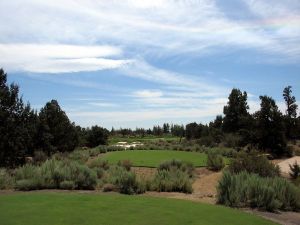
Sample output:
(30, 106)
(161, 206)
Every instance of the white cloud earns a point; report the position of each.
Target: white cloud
(59, 58)
(148, 94)
(153, 27)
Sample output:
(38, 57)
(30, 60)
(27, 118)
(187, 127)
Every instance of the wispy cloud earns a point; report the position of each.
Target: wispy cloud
(154, 27)
(45, 58)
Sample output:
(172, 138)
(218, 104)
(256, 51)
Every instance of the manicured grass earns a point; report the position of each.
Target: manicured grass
(113, 209)
(152, 158)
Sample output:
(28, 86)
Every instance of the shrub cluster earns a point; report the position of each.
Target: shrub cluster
(215, 161)
(6, 180)
(124, 181)
(173, 180)
(251, 190)
(55, 174)
(173, 175)
(254, 163)
(186, 167)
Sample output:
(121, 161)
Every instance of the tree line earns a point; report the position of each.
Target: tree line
(25, 131)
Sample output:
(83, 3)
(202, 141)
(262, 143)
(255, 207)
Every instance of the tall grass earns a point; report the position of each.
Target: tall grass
(251, 190)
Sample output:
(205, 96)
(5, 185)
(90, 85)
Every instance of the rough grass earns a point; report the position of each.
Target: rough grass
(153, 158)
(84, 209)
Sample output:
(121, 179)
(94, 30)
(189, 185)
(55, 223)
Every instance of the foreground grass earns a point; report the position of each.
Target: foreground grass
(111, 209)
(152, 158)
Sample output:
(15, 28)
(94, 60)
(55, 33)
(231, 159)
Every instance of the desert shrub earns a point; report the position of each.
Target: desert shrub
(80, 156)
(86, 178)
(232, 140)
(98, 163)
(253, 163)
(109, 187)
(295, 170)
(215, 161)
(125, 181)
(172, 180)
(6, 180)
(54, 174)
(186, 167)
(251, 190)
(127, 164)
(67, 185)
(100, 172)
(39, 157)
(27, 171)
(207, 141)
(28, 184)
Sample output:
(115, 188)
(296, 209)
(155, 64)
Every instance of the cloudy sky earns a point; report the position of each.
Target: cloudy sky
(127, 63)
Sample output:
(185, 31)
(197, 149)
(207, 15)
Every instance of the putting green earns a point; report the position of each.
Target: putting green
(152, 158)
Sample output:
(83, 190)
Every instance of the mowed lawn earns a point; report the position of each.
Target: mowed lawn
(152, 158)
(114, 209)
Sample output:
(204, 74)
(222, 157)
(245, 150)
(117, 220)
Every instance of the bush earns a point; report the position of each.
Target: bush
(80, 156)
(109, 187)
(67, 185)
(6, 180)
(98, 163)
(215, 161)
(186, 167)
(55, 174)
(172, 180)
(27, 184)
(126, 164)
(253, 163)
(39, 157)
(251, 190)
(295, 170)
(125, 181)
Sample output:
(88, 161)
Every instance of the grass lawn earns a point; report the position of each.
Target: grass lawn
(152, 158)
(114, 209)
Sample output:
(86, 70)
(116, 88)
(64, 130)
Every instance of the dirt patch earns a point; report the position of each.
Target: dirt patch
(284, 218)
(204, 188)
(284, 165)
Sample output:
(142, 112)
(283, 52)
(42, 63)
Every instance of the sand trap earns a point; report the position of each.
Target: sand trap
(284, 165)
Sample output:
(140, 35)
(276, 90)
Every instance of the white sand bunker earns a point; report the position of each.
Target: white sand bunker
(284, 165)
(125, 145)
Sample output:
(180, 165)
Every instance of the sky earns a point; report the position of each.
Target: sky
(130, 63)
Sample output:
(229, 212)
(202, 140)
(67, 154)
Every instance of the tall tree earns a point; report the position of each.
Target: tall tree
(291, 112)
(97, 136)
(56, 132)
(236, 111)
(17, 121)
(269, 127)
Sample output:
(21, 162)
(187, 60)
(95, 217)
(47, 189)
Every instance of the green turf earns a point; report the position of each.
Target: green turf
(114, 209)
(152, 158)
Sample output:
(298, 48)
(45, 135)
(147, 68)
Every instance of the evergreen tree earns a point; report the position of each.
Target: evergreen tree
(236, 111)
(97, 136)
(17, 125)
(56, 132)
(269, 127)
(291, 112)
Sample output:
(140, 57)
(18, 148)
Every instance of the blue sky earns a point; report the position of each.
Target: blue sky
(138, 63)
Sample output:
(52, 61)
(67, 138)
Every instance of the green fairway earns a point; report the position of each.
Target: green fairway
(152, 158)
(114, 209)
